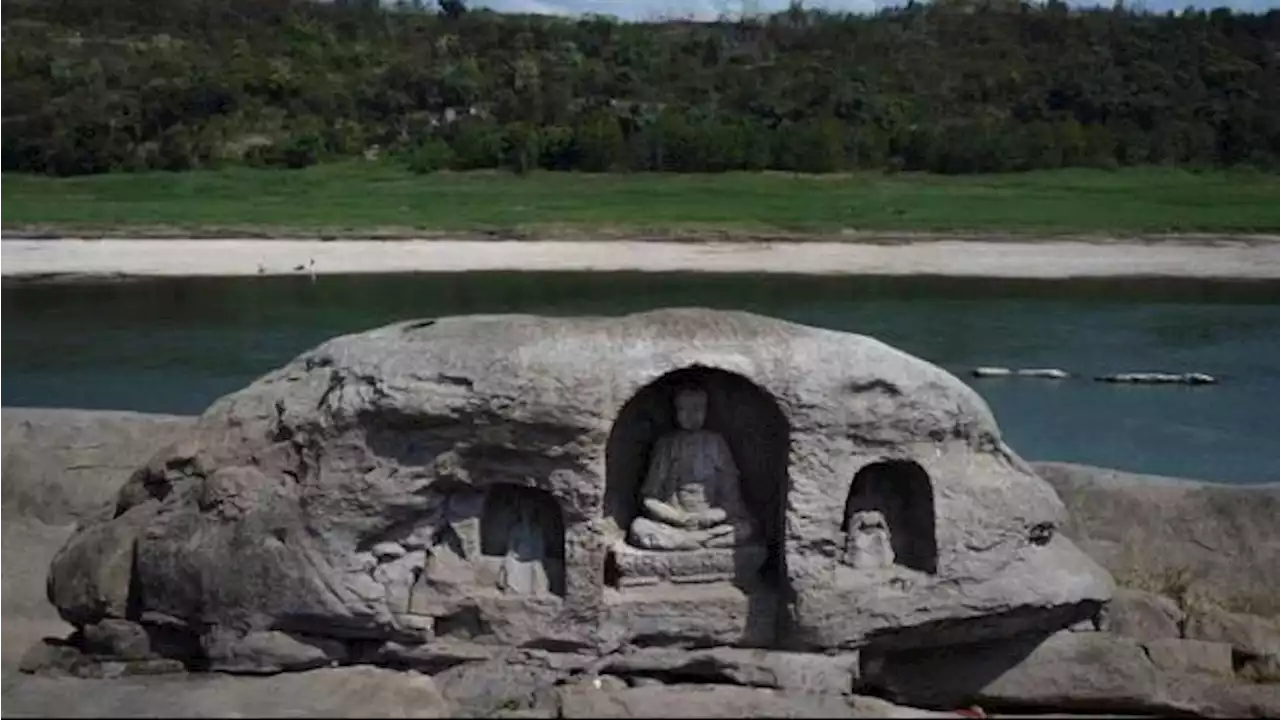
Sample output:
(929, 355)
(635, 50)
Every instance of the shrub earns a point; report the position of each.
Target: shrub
(430, 155)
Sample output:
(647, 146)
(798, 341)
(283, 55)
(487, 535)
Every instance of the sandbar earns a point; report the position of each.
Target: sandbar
(1002, 258)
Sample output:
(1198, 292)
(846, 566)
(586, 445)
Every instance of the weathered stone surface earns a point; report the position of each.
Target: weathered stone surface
(1066, 671)
(504, 683)
(59, 658)
(1069, 671)
(1142, 615)
(60, 466)
(723, 701)
(1262, 669)
(112, 637)
(1247, 634)
(503, 456)
(99, 559)
(1208, 696)
(28, 547)
(1195, 656)
(799, 672)
(270, 651)
(330, 692)
(51, 657)
(1217, 540)
(432, 657)
(647, 567)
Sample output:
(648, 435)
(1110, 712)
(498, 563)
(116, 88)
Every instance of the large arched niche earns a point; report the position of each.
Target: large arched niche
(746, 415)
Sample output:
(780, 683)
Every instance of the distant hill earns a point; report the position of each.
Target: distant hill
(956, 87)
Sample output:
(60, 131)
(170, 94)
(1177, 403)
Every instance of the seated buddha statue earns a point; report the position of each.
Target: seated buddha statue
(691, 496)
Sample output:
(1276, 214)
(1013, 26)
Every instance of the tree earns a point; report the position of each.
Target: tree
(453, 9)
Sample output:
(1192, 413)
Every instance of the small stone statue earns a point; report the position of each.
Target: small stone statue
(868, 545)
(522, 567)
(447, 563)
(691, 497)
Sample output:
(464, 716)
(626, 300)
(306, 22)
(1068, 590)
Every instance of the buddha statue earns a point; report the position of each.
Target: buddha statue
(691, 496)
(868, 545)
(522, 566)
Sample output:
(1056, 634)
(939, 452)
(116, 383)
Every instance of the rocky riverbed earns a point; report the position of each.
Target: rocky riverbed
(1192, 629)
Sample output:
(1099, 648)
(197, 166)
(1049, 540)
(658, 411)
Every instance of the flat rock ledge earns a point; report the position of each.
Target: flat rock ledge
(1080, 671)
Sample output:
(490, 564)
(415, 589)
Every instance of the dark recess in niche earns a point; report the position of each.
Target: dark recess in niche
(902, 492)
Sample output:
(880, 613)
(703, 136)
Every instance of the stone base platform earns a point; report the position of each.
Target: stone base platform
(638, 567)
(690, 614)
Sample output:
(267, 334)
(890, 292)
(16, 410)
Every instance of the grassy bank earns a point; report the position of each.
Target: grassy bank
(369, 196)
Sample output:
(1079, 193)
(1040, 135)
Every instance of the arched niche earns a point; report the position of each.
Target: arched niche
(749, 419)
(522, 540)
(900, 490)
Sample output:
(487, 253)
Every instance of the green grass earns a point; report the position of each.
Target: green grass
(358, 196)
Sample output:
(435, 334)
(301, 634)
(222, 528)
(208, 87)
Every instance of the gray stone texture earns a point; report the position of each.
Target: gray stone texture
(416, 436)
(1217, 539)
(1143, 615)
(1197, 656)
(365, 692)
(1068, 671)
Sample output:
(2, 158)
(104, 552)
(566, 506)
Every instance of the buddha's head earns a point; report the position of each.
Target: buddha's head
(868, 521)
(691, 408)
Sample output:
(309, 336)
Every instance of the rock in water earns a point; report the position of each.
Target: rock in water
(1156, 378)
(987, 371)
(1047, 373)
(475, 478)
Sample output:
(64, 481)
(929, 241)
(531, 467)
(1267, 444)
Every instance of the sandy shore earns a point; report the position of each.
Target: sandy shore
(973, 258)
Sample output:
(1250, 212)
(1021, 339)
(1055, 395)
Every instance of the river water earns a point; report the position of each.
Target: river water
(175, 345)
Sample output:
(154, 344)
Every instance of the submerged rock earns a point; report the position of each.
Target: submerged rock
(481, 479)
(1156, 378)
(1047, 373)
(987, 371)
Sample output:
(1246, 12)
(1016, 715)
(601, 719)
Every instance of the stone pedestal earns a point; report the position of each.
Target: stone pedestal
(638, 567)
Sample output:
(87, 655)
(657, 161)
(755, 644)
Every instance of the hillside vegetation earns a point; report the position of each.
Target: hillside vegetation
(92, 86)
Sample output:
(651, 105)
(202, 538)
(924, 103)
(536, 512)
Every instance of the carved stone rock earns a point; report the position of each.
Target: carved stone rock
(477, 478)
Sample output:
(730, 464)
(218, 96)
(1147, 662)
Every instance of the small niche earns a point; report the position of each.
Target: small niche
(889, 518)
(522, 540)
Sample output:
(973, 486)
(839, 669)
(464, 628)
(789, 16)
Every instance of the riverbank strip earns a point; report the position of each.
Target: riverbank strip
(1258, 257)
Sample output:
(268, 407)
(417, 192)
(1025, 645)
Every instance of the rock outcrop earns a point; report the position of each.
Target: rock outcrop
(60, 464)
(478, 480)
(1182, 537)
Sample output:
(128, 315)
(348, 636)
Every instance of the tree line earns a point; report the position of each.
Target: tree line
(952, 86)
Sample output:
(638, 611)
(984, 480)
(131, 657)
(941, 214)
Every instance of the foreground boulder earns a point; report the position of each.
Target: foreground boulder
(1196, 541)
(59, 466)
(680, 478)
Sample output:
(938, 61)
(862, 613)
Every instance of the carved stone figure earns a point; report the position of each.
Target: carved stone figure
(868, 545)
(522, 567)
(691, 497)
